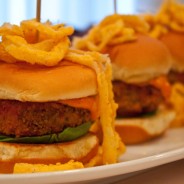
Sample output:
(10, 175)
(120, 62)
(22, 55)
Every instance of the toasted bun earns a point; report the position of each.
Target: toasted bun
(137, 130)
(175, 43)
(140, 60)
(26, 82)
(82, 149)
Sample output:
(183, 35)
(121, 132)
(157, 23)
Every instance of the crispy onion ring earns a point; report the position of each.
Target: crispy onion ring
(112, 30)
(22, 51)
(34, 42)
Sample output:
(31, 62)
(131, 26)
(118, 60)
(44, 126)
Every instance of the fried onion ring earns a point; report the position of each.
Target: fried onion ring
(34, 42)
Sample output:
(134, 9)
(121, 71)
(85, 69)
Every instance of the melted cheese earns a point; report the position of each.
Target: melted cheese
(90, 103)
(163, 85)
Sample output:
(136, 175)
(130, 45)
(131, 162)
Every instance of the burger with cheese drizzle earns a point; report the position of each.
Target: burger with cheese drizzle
(170, 31)
(50, 98)
(140, 64)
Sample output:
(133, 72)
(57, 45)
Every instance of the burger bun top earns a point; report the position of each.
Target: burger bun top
(175, 43)
(25, 82)
(140, 60)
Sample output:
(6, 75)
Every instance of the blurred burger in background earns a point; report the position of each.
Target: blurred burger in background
(50, 97)
(140, 64)
(168, 26)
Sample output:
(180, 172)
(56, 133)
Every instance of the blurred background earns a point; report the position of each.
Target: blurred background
(79, 13)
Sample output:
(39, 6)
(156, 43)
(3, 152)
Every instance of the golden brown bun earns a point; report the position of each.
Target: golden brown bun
(175, 43)
(82, 149)
(26, 82)
(137, 130)
(140, 60)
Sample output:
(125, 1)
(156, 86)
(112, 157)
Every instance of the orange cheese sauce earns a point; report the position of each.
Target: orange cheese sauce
(163, 85)
(90, 103)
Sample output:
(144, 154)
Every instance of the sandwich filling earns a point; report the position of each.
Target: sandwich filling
(33, 122)
(141, 99)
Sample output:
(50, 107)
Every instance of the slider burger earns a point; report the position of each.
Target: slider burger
(140, 87)
(171, 32)
(50, 98)
(175, 43)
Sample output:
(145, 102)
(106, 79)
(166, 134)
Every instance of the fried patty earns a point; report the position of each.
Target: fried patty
(176, 77)
(33, 119)
(134, 100)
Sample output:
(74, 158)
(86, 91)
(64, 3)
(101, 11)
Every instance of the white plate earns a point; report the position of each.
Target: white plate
(163, 150)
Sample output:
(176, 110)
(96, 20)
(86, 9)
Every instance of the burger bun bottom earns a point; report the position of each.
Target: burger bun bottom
(82, 150)
(138, 130)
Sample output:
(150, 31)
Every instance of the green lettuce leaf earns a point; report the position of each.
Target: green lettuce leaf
(67, 134)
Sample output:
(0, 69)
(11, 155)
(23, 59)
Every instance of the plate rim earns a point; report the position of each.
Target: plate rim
(124, 167)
